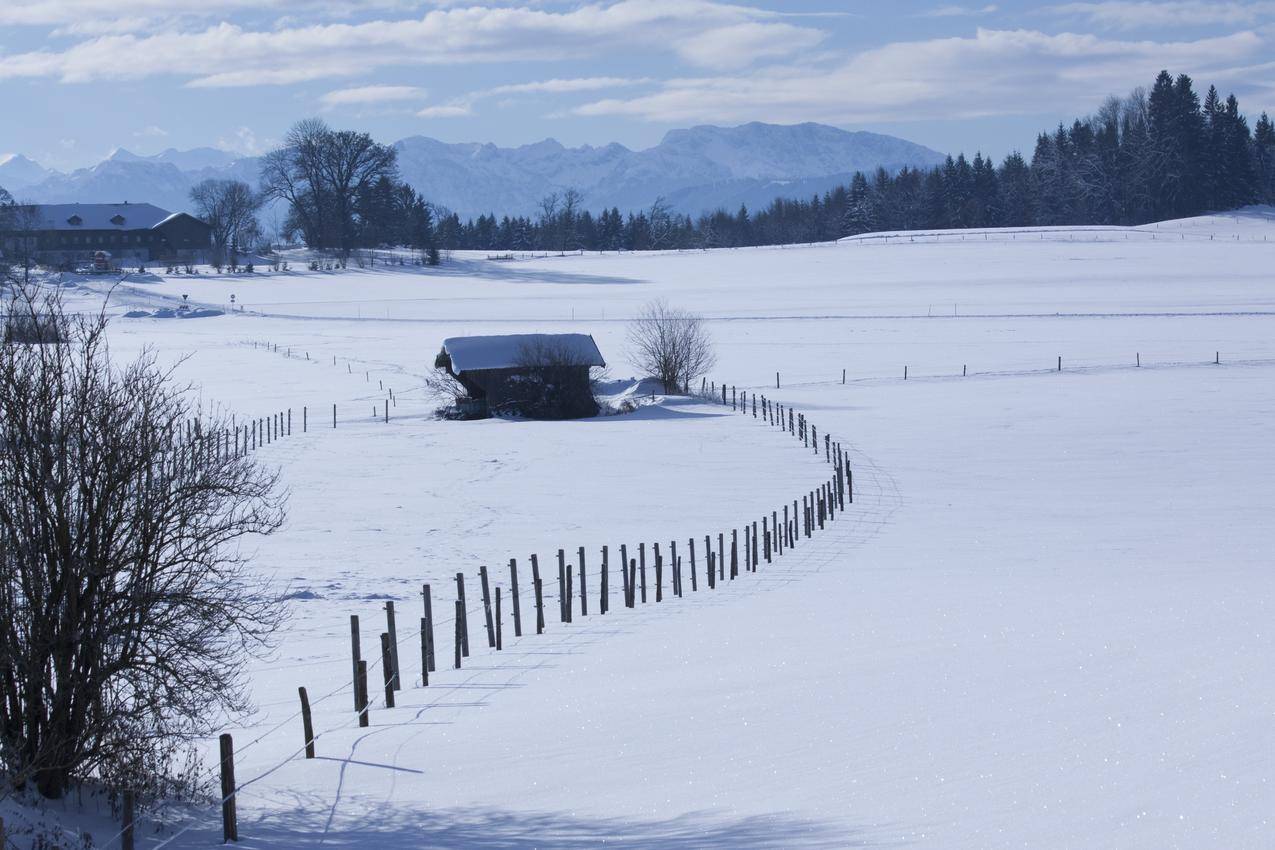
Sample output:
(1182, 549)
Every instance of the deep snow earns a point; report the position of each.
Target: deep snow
(1045, 621)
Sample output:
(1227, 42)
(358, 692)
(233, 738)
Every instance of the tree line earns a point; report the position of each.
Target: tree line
(1147, 157)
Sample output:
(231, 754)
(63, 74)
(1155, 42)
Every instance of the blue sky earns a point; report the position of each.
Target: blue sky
(81, 77)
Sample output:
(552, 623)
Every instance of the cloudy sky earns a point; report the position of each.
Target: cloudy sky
(80, 77)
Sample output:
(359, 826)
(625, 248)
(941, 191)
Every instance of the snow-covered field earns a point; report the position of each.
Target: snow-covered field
(1045, 621)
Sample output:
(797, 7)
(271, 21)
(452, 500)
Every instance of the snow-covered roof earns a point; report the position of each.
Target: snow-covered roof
(99, 216)
(470, 353)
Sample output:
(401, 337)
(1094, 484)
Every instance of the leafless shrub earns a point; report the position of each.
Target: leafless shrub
(126, 606)
(671, 345)
(554, 382)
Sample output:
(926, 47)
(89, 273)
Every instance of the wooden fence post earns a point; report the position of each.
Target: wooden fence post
(849, 483)
(659, 573)
(459, 629)
(463, 618)
(499, 646)
(540, 603)
(393, 633)
(721, 556)
(229, 822)
(127, 814)
(570, 591)
(355, 656)
(307, 724)
(632, 582)
(584, 595)
(305, 419)
(334, 416)
(486, 586)
(513, 590)
(563, 602)
(604, 600)
(691, 541)
(677, 568)
(624, 573)
(364, 700)
(428, 628)
(642, 565)
(387, 669)
(425, 652)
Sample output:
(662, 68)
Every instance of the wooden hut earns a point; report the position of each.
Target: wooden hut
(540, 376)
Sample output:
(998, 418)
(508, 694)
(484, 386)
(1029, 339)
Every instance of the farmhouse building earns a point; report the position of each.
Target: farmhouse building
(540, 376)
(69, 234)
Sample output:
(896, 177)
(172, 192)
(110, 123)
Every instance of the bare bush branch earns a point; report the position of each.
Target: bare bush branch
(671, 345)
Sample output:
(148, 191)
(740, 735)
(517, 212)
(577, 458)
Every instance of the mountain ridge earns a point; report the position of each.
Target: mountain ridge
(695, 169)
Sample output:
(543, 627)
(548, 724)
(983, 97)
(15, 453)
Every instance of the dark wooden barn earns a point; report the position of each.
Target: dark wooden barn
(69, 234)
(540, 376)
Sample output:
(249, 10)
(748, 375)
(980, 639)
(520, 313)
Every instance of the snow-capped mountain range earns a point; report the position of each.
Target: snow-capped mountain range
(696, 169)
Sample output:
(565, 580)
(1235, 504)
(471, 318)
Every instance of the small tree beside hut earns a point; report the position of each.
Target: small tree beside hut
(671, 345)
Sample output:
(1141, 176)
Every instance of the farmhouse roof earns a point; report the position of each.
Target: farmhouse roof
(99, 216)
(471, 353)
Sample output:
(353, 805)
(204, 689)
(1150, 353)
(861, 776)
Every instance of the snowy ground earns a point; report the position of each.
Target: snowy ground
(1045, 622)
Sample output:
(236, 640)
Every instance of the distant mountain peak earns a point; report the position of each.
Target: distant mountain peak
(695, 169)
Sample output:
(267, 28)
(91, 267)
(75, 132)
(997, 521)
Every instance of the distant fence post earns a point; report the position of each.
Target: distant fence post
(355, 656)
(393, 632)
(424, 652)
(642, 564)
(486, 586)
(307, 725)
(499, 647)
(387, 669)
(463, 617)
(427, 628)
(460, 615)
(584, 595)
(540, 602)
(127, 814)
(513, 590)
(604, 598)
(229, 821)
(360, 692)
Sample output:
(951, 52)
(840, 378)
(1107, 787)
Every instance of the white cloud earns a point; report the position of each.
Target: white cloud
(86, 16)
(705, 33)
(150, 131)
(1144, 14)
(741, 45)
(996, 72)
(371, 95)
(958, 11)
(564, 86)
(453, 110)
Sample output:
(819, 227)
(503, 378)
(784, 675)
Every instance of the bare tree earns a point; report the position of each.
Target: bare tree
(569, 219)
(230, 208)
(555, 381)
(671, 345)
(126, 606)
(549, 220)
(662, 223)
(320, 172)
